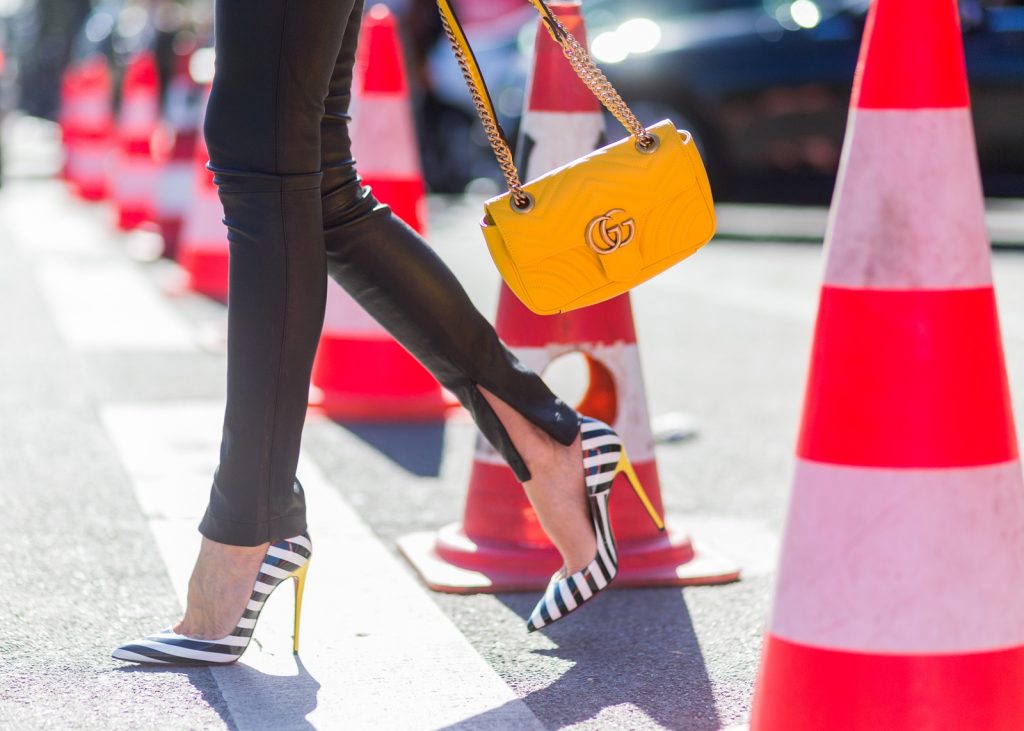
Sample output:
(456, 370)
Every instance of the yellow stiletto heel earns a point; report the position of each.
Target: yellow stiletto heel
(626, 468)
(300, 586)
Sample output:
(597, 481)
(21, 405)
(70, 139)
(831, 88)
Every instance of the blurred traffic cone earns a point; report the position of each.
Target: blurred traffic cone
(87, 126)
(500, 545)
(174, 153)
(383, 132)
(66, 113)
(360, 372)
(133, 176)
(899, 602)
(203, 246)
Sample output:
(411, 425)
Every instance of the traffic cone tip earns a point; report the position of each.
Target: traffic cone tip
(911, 57)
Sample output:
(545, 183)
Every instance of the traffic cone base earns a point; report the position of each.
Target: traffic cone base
(500, 545)
(907, 167)
(452, 562)
(851, 690)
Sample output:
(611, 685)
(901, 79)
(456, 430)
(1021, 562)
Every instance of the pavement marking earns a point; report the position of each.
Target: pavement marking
(376, 651)
(32, 223)
(99, 300)
(759, 299)
(751, 543)
(111, 306)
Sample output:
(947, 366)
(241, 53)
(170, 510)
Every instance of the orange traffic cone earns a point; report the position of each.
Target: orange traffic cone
(203, 246)
(87, 126)
(133, 175)
(500, 545)
(174, 153)
(899, 602)
(360, 372)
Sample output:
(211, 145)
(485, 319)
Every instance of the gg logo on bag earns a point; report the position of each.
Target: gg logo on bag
(605, 237)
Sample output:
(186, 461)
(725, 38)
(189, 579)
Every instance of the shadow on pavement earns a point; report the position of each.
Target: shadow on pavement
(416, 447)
(632, 647)
(260, 700)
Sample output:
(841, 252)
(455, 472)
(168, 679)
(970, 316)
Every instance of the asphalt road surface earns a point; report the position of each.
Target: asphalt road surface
(111, 388)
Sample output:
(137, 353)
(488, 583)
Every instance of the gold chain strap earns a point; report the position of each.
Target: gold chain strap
(490, 123)
(594, 78)
(581, 63)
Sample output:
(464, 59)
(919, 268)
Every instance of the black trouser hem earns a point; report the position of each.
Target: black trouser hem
(235, 533)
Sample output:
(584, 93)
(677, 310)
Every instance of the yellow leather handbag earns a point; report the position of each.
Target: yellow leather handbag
(592, 229)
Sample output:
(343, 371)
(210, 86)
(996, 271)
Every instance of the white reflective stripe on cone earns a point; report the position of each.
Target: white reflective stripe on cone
(134, 180)
(92, 159)
(632, 420)
(93, 108)
(560, 137)
(174, 188)
(911, 178)
(903, 560)
(344, 315)
(383, 139)
(203, 228)
(138, 116)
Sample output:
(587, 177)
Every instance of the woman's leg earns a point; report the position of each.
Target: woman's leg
(391, 271)
(275, 59)
(259, 137)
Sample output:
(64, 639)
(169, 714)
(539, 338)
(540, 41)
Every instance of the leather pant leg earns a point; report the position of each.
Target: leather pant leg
(277, 130)
(275, 59)
(397, 278)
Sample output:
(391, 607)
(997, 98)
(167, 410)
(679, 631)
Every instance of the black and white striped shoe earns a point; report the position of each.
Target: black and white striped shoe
(285, 559)
(604, 457)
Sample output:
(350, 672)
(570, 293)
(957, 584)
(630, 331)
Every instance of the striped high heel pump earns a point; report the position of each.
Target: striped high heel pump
(604, 457)
(285, 559)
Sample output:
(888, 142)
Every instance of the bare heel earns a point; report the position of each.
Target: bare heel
(626, 467)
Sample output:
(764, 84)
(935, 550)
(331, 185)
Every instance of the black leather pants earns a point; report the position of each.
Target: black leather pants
(277, 131)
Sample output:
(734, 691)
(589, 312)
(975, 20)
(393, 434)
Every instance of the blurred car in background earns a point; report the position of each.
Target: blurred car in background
(7, 89)
(764, 85)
